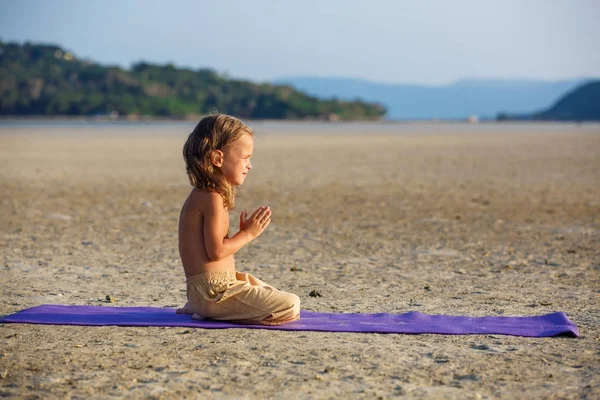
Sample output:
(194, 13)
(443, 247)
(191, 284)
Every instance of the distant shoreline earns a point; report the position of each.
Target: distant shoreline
(152, 119)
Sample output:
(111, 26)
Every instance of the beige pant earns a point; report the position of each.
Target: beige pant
(240, 297)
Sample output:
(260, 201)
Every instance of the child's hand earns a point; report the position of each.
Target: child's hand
(257, 223)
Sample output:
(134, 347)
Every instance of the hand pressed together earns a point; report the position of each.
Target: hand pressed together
(257, 223)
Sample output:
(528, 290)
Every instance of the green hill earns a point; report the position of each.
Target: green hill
(581, 104)
(47, 80)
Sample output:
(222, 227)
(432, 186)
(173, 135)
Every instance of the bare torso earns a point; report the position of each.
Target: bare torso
(192, 249)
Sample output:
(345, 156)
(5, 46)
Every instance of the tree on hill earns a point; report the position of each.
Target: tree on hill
(48, 80)
(580, 104)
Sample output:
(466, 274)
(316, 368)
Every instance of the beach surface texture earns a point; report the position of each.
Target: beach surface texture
(468, 220)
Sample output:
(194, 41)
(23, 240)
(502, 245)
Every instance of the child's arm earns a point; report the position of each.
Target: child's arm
(217, 245)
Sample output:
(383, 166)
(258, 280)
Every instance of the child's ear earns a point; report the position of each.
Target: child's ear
(216, 158)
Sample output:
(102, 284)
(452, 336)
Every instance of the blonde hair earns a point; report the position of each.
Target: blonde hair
(212, 133)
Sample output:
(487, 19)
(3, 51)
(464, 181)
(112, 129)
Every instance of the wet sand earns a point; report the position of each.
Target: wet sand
(458, 223)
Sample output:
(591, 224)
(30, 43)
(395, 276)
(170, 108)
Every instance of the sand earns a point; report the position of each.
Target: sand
(464, 223)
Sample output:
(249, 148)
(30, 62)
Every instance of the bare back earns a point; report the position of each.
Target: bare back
(192, 236)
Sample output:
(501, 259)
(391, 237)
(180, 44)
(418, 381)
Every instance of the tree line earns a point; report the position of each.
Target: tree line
(46, 80)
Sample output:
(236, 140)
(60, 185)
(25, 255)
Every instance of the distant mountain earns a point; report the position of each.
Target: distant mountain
(581, 104)
(40, 79)
(459, 100)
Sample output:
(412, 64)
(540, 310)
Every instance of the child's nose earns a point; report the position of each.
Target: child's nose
(249, 166)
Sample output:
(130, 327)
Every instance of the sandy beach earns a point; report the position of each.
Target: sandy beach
(461, 223)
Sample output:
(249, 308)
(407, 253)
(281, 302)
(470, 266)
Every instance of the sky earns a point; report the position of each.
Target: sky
(396, 41)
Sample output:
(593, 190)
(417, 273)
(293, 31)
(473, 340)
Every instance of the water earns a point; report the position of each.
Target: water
(304, 127)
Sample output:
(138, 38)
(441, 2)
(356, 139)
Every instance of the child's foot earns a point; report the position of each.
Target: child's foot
(185, 309)
(198, 317)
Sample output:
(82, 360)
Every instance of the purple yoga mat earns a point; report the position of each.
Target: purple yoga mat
(413, 322)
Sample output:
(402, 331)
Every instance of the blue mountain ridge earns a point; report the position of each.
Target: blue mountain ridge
(484, 98)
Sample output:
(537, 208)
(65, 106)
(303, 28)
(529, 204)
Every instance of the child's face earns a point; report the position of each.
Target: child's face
(236, 159)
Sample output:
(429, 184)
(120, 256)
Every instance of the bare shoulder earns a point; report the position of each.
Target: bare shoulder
(206, 202)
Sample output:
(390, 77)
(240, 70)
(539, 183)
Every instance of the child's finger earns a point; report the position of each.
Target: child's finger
(266, 215)
(258, 213)
(265, 211)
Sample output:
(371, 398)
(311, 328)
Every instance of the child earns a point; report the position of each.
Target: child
(217, 158)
